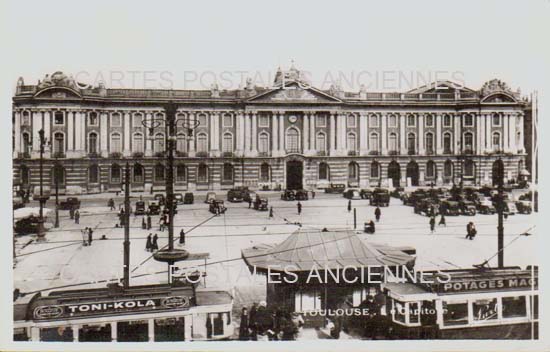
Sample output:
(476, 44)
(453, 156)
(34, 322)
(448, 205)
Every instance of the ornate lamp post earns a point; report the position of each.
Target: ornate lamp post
(42, 199)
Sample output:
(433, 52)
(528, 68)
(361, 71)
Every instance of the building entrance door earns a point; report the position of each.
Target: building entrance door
(294, 174)
(394, 172)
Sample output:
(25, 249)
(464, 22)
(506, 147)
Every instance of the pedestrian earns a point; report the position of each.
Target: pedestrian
(77, 217)
(243, 328)
(83, 233)
(349, 205)
(432, 224)
(143, 224)
(111, 204)
(299, 206)
(90, 236)
(149, 243)
(312, 194)
(71, 213)
(271, 212)
(249, 203)
(155, 245)
(182, 237)
(161, 224)
(442, 221)
(470, 231)
(149, 222)
(377, 214)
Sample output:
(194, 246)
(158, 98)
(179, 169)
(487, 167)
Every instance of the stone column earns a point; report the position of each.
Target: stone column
(438, 134)
(480, 120)
(36, 125)
(148, 139)
(332, 144)
(305, 133)
(505, 134)
(312, 139)
(77, 133)
(214, 134)
(488, 141)
(126, 151)
(103, 134)
(282, 133)
(402, 135)
(274, 134)
(458, 147)
(191, 140)
(513, 132)
(363, 134)
(384, 133)
(521, 145)
(421, 149)
(47, 126)
(341, 133)
(246, 134)
(17, 132)
(70, 132)
(254, 134)
(478, 134)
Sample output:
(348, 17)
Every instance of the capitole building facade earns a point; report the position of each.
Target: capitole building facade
(290, 135)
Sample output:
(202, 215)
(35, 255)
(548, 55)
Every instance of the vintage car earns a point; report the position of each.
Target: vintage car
(154, 207)
(485, 206)
(352, 193)
(261, 204)
(178, 198)
(249, 196)
(189, 198)
(288, 194)
(217, 207)
(26, 225)
(449, 208)
(210, 197)
(509, 208)
(365, 193)
(467, 208)
(69, 203)
(335, 188)
(380, 197)
(46, 190)
(524, 207)
(160, 198)
(427, 207)
(301, 194)
(235, 195)
(140, 208)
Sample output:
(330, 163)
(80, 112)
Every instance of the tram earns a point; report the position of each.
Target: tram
(177, 312)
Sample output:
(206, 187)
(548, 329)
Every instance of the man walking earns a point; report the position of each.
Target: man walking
(299, 206)
(271, 212)
(155, 245)
(349, 205)
(77, 217)
(182, 237)
(90, 236)
(149, 222)
(432, 224)
(442, 221)
(149, 243)
(377, 214)
(470, 231)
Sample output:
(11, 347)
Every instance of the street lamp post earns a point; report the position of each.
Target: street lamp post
(42, 200)
(56, 200)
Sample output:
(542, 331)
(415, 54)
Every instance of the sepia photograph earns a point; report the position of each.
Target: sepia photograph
(275, 176)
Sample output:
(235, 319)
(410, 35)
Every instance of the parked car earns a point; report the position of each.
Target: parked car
(485, 206)
(365, 193)
(45, 192)
(335, 188)
(235, 195)
(260, 204)
(524, 207)
(178, 198)
(352, 194)
(210, 197)
(449, 208)
(217, 207)
(301, 195)
(160, 198)
(26, 225)
(467, 208)
(510, 208)
(154, 207)
(288, 194)
(140, 208)
(69, 203)
(380, 197)
(426, 207)
(189, 198)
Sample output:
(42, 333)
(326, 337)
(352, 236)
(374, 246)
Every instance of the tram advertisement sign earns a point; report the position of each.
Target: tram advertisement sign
(116, 306)
(513, 283)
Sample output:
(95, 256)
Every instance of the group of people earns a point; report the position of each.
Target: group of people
(471, 231)
(261, 323)
(442, 222)
(152, 241)
(87, 236)
(75, 215)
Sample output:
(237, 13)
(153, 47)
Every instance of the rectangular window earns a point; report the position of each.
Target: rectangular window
(133, 331)
(116, 120)
(216, 320)
(373, 121)
(429, 121)
(496, 120)
(411, 121)
(321, 120)
(227, 120)
(26, 119)
(59, 118)
(392, 121)
(170, 329)
(95, 333)
(263, 120)
(137, 120)
(351, 120)
(447, 120)
(468, 120)
(399, 311)
(92, 119)
(485, 310)
(203, 121)
(514, 307)
(307, 300)
(455, 313)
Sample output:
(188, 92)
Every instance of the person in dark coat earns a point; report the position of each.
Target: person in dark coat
(312, 194)
(349, 205)
(182, 237)
(143, 224)
(252, 321)
(111, 204)
(155, 245)
(243, 328)
(90, 236)
(432, 224)
(77, 217)
(442, 221)
(149, 243)
(471, 231)
(299, 206)
(377, 214)
(249, 203)
(271, 212)
(71, 213)
(149, 222)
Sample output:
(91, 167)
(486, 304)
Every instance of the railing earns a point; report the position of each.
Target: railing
(201, 154)
(374, 152)
(94, 155)
(138, 154)
(263, 154)
(393, 152)
(24, 155)
(181, 154)
(293, 150)
(352, 153)
(411, 152)
(322, 153)
(228, 155)
(58, 155)
(115, 155)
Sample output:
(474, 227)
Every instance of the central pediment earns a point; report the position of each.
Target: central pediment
(294, 93)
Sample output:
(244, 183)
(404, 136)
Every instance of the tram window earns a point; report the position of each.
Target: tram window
(513, 307)
(217, 323)
(455, 313)
(399, 311)
(133, 331)
(59, 333)
(485, 309)
(95, 333)
(20, 334)
(414, 313)
(170, 329)
(534, 300)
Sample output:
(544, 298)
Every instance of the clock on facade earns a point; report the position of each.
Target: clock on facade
(292, 119)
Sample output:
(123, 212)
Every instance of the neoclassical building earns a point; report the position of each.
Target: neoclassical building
(290, 135)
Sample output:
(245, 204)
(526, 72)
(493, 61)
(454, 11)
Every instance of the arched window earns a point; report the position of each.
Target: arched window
(27, 143)
(138, 173)
(292, 140)
(181, 143)
(227, 145)
(321, 143)
(496, 120)
(227, 172)
(137, 120)
(392, 120)
(227, 120)
(468, 142)
(353, 171)
(202, 143)
(181, 173)
(448, 169)
(159, 172)
(430, 169)
(202, 174)
(263, 145)
(25, 175)
(496, 141)
(392, 140)
(116, 172)
(58, 175)
(116, 143)
(324, 172)
(93, 174)
(469, 168)
(350, 120)
(92, 142)
(352, 142)
(447, 143)
(92, 118)
(411, 143)
(59, 142)
(447, 120)
(373, 142)
(203, 120)
(429, 143)
(158, 146)
(429, 120)
(137, 143)
(265, 173)
(375, 170)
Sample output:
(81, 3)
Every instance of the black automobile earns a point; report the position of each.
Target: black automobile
(235, 195)
(140, 208)
(365, 193)
(426, 207)
(160, 198)
(288, 194)
(27, 225)
(189, 198)
(335, 188)
(524, 207)
(154, 207)
(352, 193)
(467, 208)
(485, 206)
(449, 208)
(380, 198)
(261, 204)
(217, 207)
(301, 195)
(178, 198)
(69, 203)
